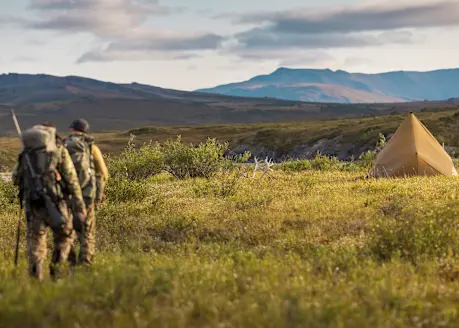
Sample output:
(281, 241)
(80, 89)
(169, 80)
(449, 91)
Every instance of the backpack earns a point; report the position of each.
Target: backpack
(39, 143)
(80, 150)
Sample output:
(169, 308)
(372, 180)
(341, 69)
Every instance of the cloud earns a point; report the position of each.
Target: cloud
(132, 55)
(104, 18)
(171, 42)
(25, 59)
(368, 25)
(206, 12)
(121, 32)
(357, 61)
(309, 58)
(155, 45)
(11, 20)
(36, 42)
(119, 26)
(256, 55)
(360, 18)
(265, 39)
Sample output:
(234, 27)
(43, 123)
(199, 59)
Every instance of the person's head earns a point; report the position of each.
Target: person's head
(79, 125)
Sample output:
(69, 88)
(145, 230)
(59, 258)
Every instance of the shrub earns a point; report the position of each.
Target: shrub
(325, 163)
(320, 163)
(184, 161)
(138, 164)
(369, 157)
(297, 166)
(351, 167)
(413, 237)
(234, 161)
(178, 159)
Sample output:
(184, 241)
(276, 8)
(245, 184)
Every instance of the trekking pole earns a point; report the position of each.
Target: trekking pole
(18, 237)
(18, 231)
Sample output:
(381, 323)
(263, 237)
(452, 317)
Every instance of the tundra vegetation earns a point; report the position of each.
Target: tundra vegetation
(190, 237)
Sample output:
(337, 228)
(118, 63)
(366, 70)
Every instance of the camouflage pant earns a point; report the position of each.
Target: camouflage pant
(38, 222)
(87, 239)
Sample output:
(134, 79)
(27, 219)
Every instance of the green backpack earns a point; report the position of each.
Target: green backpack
(80, 150)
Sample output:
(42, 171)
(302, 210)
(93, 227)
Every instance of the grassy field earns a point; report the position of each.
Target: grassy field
(311, 244)
(283, 138)
(293, 249)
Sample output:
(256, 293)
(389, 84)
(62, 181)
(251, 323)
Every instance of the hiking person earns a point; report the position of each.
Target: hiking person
(93, 175)
(46, 176)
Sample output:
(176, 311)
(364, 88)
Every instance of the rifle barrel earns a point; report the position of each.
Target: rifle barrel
(18, 128)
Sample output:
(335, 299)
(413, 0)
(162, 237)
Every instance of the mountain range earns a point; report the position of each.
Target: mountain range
(343, 87)
(112, 106)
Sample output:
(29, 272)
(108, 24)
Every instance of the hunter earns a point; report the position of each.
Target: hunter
(93, 176)
(46, 177)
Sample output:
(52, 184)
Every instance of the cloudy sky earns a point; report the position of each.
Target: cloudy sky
(190, 44)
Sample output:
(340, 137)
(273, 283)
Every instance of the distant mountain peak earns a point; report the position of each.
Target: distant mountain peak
(283, 69)
(114, 106)
(326, 85)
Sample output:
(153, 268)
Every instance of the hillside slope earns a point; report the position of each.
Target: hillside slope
(111, 106)
(343, 87)
(343, 138)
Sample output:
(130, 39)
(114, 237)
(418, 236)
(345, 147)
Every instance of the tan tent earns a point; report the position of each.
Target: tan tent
(412, 150)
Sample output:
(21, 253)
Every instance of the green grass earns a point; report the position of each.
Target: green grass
(309, 245)
(309, 249)
(7, 158)
(284, 138)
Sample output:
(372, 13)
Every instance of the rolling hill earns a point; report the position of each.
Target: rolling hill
(343, 138)
(111, 106)
(343, 87)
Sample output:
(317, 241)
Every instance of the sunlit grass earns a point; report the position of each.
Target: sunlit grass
(310, 249)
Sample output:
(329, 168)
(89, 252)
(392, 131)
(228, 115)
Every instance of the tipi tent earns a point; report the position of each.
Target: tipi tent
(412, 150)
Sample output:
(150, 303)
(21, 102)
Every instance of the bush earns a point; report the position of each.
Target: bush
(184, 161)
(413, 237)
(234, 161)
(297, 166)
(320, 163)
(325, 163)
(351, 167)
(138, 164)
(366, 159)
(369, 157)
(174, 157)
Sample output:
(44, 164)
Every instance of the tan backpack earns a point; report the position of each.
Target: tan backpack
(80, 150)
(41, 182)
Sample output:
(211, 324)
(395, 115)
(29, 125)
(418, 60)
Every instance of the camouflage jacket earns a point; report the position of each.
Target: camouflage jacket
(66, 170)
